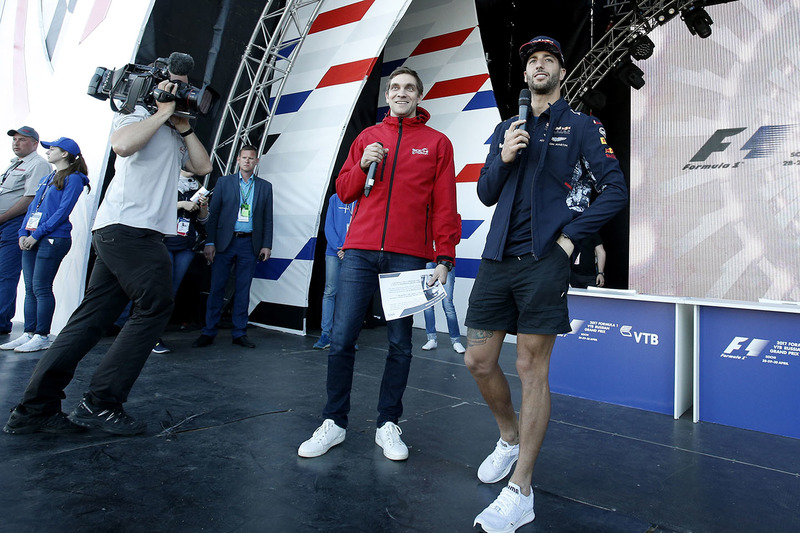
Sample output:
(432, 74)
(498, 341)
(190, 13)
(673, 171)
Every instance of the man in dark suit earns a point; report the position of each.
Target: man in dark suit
(239, 230)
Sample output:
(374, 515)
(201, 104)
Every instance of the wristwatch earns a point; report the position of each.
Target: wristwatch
(447, 264)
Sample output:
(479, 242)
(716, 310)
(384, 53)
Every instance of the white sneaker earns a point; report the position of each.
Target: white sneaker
(38, 342)
(19, 341)
(498, 464)
(324, 438)
(388, 437)
(510, 511)
(458, 347)
(430, 345)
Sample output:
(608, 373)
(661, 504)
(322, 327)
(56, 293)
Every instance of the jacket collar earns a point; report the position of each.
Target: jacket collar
(421, 118)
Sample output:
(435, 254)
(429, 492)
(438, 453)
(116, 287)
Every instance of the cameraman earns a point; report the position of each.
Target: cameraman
(132, 264)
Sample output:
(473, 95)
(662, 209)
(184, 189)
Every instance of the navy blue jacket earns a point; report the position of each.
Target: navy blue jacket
(575, 158)
(224, 210)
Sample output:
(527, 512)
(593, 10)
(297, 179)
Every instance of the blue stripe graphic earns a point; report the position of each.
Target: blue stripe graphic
(481, 100)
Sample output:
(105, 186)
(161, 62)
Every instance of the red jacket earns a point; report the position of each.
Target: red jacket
(413, 201)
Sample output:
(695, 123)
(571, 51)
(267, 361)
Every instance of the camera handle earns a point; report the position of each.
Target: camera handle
(163, 96)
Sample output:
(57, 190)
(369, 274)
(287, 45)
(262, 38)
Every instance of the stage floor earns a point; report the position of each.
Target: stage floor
(220, 454)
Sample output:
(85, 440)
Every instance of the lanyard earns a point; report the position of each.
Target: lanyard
(46, 188)
(10, 169)
(247, 192)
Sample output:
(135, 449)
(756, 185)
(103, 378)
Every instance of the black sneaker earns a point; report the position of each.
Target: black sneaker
(21, 422)
(115, 421)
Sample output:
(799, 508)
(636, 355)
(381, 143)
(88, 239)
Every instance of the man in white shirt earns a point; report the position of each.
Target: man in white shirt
(17, 187)
(132, 265)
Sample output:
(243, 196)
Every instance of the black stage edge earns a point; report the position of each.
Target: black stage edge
(225, 423)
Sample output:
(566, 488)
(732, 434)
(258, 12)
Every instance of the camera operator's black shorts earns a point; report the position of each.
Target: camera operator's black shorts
(522, 295)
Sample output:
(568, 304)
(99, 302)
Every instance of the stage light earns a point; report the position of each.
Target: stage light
(698, 21)
(628, 73)
(641, 47)
(594, 99)
(666, 15)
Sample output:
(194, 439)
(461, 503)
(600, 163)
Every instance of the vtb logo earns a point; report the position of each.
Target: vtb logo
(753, 348)
(639, 336)
(764, 142)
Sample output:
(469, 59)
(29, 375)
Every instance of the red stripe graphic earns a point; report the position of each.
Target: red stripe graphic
(96, 16)
(470, 173)
(469, 84)
(347, 72)
(341, 16)
(441, 42)
(18, 62)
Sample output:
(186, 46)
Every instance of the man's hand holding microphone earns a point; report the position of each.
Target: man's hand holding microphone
(372, 156)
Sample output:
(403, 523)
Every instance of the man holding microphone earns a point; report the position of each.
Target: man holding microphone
(409, 202)
(539, 175)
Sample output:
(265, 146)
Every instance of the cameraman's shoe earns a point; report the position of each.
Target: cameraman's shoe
(22, 422)
(114, 421)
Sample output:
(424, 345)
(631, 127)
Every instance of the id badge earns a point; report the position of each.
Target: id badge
(33, 221)
(244, 213)
(183, 226)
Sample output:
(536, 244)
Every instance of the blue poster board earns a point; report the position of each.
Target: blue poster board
(620, 351)
(749, 369)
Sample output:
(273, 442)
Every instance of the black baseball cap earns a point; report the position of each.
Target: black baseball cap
(541, 43)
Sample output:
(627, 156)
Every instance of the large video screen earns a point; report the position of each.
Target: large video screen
(715, 164)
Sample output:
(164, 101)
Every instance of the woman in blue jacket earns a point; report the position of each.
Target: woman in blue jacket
(45, 239)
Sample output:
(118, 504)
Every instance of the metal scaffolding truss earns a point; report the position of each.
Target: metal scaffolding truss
(639, 18)
(258, 86)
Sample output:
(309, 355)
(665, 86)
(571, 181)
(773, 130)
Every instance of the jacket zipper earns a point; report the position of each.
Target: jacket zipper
(391, 181)
(427, 214)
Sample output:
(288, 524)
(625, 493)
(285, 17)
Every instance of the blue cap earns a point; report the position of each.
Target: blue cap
(66, 144)
(27, 131)
(541, 43)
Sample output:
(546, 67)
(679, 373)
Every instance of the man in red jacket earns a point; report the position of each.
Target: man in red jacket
(411, 205)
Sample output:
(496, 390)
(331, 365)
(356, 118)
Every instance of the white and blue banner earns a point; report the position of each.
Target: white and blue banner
(619, 351)
(748, 369)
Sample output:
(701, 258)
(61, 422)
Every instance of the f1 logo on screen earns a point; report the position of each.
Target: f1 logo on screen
(763, 143)
(753, 349)
(638, 336)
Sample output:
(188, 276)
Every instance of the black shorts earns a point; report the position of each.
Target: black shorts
(522, 295)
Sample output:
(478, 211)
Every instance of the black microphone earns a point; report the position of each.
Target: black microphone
(524, 105)
(373, 167)
(180, 64)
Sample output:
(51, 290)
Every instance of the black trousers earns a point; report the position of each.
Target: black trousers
(132, 264)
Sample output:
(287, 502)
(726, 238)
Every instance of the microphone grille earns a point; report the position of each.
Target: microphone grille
(180, 63)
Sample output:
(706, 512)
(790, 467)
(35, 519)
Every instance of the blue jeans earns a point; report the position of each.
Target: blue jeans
(358, 281)
(10, 266)
(181, 260)
(39, 267)
(449, 310)
(333, 266)
(240, 251)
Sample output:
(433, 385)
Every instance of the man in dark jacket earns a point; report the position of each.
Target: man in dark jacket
(411, 205)
(239, 231)
(539, 178)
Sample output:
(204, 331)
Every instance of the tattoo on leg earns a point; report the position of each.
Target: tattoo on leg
(478, 337)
